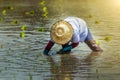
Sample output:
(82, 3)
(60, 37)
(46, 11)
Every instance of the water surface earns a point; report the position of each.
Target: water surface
(22, 58)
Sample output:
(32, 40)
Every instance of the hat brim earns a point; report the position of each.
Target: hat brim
(64, 38)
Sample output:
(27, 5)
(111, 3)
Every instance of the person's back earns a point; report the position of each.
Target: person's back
(79, 27)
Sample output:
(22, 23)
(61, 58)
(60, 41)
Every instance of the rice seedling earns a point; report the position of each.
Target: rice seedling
(15, 22)
(90, 15)
(32, 13)
(24, 27)
(42, 3)
(10, 8)
(107, 38)
(97, 42)
(96, 71)
(4, 12)
(45, 12)
(44, 9)
(41, 29)
(1, 19)
(30, 77)
(97, 22)
(22, 34)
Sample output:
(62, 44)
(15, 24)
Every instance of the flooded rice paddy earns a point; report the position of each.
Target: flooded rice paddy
(21, 58)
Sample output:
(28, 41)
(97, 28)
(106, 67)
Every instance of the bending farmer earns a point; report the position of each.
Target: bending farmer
(69, 33)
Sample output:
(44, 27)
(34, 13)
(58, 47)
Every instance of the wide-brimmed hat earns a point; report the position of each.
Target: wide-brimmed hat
(61, 32)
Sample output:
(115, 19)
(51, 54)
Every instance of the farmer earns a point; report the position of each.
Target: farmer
(69, 33)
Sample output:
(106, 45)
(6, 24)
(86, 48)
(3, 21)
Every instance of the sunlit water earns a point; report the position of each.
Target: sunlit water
(22, 58)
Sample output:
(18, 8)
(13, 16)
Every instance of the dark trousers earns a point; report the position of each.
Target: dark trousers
(89, 36)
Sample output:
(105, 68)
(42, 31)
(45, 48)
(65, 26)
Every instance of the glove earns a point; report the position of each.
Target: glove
(45, 52)
(67, 48)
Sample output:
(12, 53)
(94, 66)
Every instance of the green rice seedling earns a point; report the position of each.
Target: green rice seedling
(97, 22)
(42, 3)
(45, 14)
(30, 77)
(90, 15)
(97, 42)
(1, 19)
(4, 12)
(42, 29)
(32, 13)
(107, 38)
(24, 27)
(22, 34)
(10, 8)
(44, 9)
(15, 22)
(97, 73)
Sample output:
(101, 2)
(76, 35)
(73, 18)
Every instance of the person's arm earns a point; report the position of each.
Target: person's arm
(69, 47)
(75, 41)
(48, 47)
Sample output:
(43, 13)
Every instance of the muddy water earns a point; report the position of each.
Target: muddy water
(22, 58)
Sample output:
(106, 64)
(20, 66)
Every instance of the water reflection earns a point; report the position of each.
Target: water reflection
(71, 68)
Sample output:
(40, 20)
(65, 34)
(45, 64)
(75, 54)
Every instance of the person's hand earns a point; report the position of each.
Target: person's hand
(63, 52)
(60, 51)
(67, 48)
(45, 52)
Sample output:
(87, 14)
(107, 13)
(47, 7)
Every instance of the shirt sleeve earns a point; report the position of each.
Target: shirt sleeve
(74, 44)
(49, 45)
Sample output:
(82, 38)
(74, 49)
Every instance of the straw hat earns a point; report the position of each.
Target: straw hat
(61, 32)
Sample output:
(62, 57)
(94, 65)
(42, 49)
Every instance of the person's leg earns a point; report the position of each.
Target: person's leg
(89, 36)
(91, 42)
